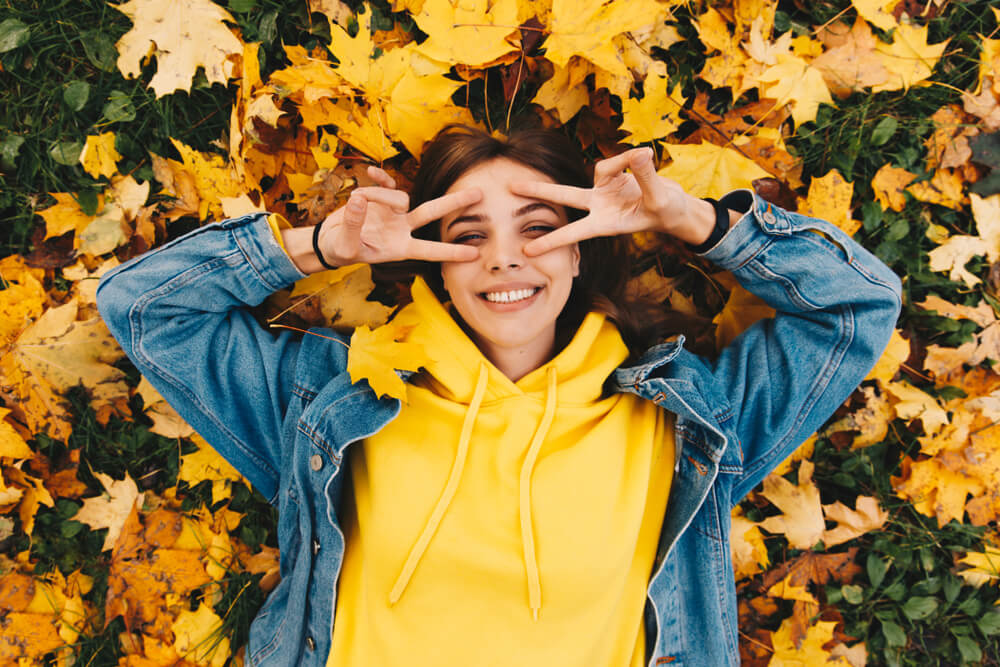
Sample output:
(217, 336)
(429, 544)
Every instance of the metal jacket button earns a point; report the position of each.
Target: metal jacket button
(315, 547)
(310, 644)
(316, 462)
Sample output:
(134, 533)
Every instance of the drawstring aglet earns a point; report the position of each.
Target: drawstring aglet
(534, 613)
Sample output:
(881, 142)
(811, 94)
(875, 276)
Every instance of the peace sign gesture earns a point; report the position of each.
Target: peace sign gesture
(376, 225)
(623, 202)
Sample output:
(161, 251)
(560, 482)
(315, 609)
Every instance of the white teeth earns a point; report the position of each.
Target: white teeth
(511, 296)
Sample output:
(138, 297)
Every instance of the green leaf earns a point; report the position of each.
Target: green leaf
(9, 148)
(100, 50)
(970, 606)
(896, 591)
(969, 649)
(87, 199)
(13, 33)
(66, 152)
(876, 570)
(76, 94)
(70, 528)
(268, 28)
(871, 215)
(852, 593)
(989, 623)
(240, 6)
(119, 108)
(884, 130)
(894, 635)
(917, 608)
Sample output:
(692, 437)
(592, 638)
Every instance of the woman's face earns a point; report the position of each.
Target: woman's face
(510, 301)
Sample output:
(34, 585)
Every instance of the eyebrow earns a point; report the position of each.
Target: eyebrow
(524, 210)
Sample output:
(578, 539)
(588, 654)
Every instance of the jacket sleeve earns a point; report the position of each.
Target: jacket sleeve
(181, 314)
(836, 306)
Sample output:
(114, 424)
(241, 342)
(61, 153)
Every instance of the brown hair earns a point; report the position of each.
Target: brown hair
(604, 261)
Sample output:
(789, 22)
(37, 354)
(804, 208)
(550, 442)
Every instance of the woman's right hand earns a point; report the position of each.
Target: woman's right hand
(376, 225)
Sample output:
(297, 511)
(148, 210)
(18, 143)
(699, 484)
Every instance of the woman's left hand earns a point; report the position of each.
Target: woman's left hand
(623, 202)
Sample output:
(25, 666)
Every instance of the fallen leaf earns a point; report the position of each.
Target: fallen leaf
(470, 33)
(184, 35)
(909, 59)
(889, 184)
(707, 170)
(111, 510)
(867, 516)
(198, 637)
(655, 115)
(829, 199)
(206, 464)
(801, 518)
(99, 156)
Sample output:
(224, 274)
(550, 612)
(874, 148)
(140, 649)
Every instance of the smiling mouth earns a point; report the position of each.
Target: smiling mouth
(511, 296)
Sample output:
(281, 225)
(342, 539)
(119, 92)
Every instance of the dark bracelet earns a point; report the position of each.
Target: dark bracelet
(720, 229)
(319, 255)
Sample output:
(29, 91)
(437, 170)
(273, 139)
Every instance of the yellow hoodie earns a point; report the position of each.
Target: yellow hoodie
(504, 523)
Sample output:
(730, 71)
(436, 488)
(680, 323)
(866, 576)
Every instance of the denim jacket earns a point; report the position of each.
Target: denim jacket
(283, 410)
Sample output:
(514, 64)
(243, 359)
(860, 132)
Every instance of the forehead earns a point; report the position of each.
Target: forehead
(495, 176)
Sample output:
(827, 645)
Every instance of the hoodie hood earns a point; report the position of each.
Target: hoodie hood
(456, 370)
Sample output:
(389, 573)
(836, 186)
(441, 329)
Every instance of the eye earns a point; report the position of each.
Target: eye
(468, 237)
(538, 228)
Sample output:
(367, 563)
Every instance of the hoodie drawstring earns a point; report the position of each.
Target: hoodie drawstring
(527, 534)
(420, 546)
(524, 503)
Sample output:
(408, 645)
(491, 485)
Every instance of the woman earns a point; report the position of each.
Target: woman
(515, 509)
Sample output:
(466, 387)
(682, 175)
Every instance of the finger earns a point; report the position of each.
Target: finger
(642, 166)
(435, 209)
(397, 200)
(354, 219)
(613, 166)
(381, 177)
(435, 251)
(566, 235)
(567, 195)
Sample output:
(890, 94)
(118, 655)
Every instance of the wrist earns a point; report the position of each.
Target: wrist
(696, 224)
(299, 247)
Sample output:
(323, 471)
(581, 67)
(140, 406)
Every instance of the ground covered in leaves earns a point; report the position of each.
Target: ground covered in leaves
(124, 540)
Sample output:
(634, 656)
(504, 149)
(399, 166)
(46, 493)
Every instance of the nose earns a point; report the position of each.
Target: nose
(504, 256)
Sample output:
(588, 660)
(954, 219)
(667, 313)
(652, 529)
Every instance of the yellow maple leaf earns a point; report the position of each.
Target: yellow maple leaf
(854, 64)
(801, 518)
(741, 310)
(713, 31)
(308, 78)
(64, 216)
(110, 511)
(794, 81)
(184, 35)
(23, 298)
(829, 199)
(343, 296)
(889, 184)
(213, 178)
(99, 156)
(376, 355)
(129, 195)
(12, 445)
(362, 128)
(871, 420)
(986, 211)
(809, 652)
(166, 421)
(707, 170)
(983, 566)
(786, 589)
(420, 106)
(867, 516)
(954, 254)
(104, 233)
(587, 28)
(53, 355)
(655, 115)
(198, 637)
(206, 464)
(896, 352)
(566, 91)
(471, 32)
(909, 59)
(747, 546)
(911, 403)
(935, 490)
(877, 12)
